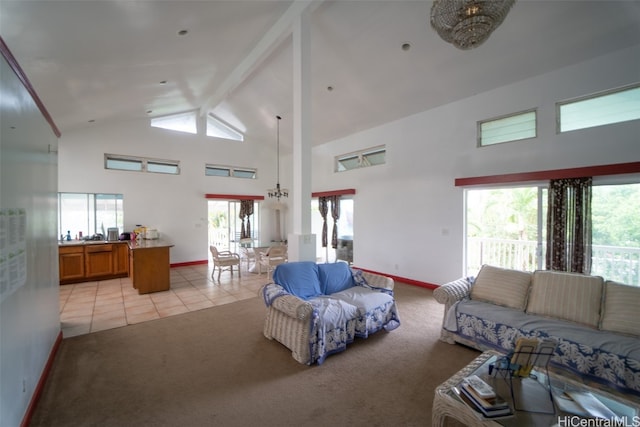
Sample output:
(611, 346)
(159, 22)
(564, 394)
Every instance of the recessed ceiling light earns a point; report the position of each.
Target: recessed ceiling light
(92, 121)
(406, 46)
(163, 82)
(149, 111)
(329, 88)
(183, 32)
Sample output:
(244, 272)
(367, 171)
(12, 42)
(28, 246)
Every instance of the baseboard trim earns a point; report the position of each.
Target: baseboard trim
(26, 420)
(188, 263)
(403, 279)
(396, 278)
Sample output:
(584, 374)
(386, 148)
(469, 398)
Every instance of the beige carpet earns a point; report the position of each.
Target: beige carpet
(215, 368)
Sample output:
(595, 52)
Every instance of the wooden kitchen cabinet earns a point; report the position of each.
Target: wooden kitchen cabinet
(71, 263)
(92, 261)
(98, 260)
(121, 259)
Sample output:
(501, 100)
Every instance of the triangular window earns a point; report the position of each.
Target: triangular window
(219, 129)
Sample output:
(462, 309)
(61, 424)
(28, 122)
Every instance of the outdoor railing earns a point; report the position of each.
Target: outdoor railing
(611, 262)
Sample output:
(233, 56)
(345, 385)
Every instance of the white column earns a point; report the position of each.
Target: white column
(302, 244)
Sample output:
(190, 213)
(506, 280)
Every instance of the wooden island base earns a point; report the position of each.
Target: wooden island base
(149, 266)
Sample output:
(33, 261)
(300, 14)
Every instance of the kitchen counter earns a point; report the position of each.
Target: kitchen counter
(87, 242)
(149, 265)
(147, 244)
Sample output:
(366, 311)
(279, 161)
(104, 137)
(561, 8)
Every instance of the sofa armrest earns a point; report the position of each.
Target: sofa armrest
(451, 292)
(378, 281)
(293, 306)
(277, 297)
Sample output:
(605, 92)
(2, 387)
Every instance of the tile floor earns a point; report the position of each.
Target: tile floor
(95, 306)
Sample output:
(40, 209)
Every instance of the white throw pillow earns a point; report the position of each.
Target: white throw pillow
(502, 286)
(621, 306)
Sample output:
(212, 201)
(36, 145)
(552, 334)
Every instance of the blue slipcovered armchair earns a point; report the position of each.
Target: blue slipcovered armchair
(317, 309)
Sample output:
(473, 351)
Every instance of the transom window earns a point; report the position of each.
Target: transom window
(360, 159)
(614, 106)
(141, 164)
(513, 127)
(230, 171)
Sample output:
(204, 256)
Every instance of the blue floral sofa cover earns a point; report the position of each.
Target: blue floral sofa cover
(595, 322)
(317, 309)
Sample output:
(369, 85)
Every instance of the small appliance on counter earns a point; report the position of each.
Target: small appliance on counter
(125, 236)
(113, 234)
(151, 234)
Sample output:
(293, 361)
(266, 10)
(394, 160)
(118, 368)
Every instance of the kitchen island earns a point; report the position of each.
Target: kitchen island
(149, 265)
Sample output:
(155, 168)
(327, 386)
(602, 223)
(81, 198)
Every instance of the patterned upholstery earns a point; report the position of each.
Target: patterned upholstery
(315, 328)
(607, 355)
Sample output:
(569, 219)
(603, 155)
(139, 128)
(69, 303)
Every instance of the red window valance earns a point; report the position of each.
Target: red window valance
(232, 197)
(334, 193)
(602, 170)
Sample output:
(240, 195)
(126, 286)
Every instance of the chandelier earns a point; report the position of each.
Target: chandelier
(278, 192)
(468, 23)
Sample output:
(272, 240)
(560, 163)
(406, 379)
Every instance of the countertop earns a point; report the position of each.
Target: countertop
(133, 244)
(88, 242)
(147, 244)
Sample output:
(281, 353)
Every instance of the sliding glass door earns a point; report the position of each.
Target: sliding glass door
(225, 224)
(344, 251)
(506, 227)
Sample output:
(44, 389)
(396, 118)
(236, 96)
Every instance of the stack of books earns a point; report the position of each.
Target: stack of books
(481, 397)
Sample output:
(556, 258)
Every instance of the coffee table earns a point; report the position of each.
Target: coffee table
(534, 395)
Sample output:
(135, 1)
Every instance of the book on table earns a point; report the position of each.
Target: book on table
(489, 407)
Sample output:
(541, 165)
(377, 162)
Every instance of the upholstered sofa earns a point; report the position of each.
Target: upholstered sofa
(595, 322)
(317, 309)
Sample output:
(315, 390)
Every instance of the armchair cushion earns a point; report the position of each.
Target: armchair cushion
(376, 309)
(299, 279)
(334, 277)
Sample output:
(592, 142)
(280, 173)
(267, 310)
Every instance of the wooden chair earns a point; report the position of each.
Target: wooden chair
(270, 259)
(224, 260)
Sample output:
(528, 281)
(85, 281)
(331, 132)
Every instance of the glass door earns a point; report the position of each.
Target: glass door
(225, 225)
(344, 251)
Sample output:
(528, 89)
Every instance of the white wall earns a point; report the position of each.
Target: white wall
(174, 204)
(408, 214)
(29, 307)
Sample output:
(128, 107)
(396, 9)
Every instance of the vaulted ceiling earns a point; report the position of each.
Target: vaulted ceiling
(104, 61)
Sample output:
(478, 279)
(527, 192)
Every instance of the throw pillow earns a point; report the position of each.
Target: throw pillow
(298, 278)
(334, 277)
(502, 286)
(621, 308)
(568, 296)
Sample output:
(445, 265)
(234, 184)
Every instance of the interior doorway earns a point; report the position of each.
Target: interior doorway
(225, 225)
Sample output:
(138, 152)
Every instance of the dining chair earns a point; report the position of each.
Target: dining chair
(224, 260)
(271, 258)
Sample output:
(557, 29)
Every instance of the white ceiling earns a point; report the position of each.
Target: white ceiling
(103, 60)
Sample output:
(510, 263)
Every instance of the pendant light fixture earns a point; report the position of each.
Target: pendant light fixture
(468, 23)
(278, 192)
